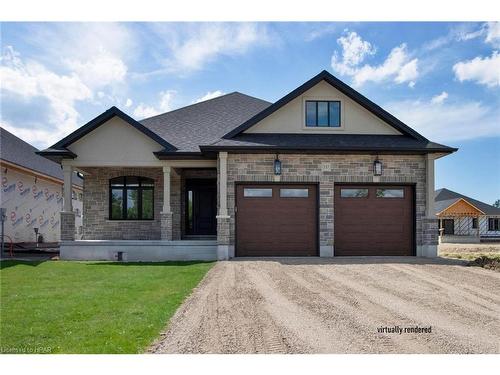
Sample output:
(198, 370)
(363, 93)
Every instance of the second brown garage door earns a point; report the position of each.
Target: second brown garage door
(276, 220)
(373, 220)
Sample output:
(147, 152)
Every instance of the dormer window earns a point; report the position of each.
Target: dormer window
(323, 113)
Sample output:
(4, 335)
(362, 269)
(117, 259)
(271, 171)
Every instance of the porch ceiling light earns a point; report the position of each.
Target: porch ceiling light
(277, 165)
(377, 167)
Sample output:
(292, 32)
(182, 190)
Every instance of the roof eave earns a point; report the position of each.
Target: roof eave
(343, 150)
(56, 155)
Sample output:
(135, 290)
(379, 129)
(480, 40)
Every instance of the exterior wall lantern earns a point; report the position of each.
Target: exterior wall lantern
(377, 167)
(277, 165)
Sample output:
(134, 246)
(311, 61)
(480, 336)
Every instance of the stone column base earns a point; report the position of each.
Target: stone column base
(166, 226)
(67, 226)
(430, 235)
(223, 238)
(326, 251)
(429, 251)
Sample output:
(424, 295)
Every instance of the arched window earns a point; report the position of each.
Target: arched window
(131, 198)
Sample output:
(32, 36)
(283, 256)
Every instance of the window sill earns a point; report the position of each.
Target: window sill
(323, 128)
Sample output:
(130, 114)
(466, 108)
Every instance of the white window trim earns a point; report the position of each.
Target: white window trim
(327, 129)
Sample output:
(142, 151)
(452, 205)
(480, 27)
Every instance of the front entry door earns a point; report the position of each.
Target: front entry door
(201, 207)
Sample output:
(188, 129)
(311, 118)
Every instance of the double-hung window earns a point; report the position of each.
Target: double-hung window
(131, 198)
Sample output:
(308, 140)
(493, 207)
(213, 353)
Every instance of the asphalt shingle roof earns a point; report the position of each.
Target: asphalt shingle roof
(206, 122)
(205, 127)
(444, 198)
(19, 152)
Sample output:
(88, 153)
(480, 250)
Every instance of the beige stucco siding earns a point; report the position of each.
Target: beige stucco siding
(115, 142)
(354, 118)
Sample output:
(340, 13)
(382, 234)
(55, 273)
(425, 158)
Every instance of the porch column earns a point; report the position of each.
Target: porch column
(429, 197)
(67, 214)
(223, 184)
(223, 219)
(166, 214)
(429, 244)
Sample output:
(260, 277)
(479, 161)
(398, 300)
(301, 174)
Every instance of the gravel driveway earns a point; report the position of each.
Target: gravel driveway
(337, 306)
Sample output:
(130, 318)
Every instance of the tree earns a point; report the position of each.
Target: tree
(497, 203)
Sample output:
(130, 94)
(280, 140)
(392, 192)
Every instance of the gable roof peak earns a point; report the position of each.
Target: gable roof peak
(343, 88)
(101, 119)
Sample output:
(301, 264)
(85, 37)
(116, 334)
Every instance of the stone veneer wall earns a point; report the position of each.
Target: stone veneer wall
(96, 223)
(327, 170)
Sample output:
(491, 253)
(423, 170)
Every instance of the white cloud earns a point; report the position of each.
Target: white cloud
(143, 111)
(354, 51)
(31, 80)
(493, 33)
(191, 46)
(485, 71)
(490, 31)
(209, 95)
(446, 122)
(100, 70)
(128, 103)
(82, 41)
(440, 98)
(398, 66)
(408, 73)
(76, 62)
(320, 31)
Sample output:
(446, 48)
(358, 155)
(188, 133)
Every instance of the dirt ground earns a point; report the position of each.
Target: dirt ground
(338, 306)
(469, 248)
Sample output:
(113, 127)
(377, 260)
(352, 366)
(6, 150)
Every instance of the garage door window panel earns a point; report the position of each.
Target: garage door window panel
(294, 193)
(390, 193)
(353, 193)
(257, 193)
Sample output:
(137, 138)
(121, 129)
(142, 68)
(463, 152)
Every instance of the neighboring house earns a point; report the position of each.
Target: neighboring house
(464, 219)
(31, 192)
(322, 172)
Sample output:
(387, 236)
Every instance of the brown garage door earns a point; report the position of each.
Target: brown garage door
(373, 220)
(276, 220)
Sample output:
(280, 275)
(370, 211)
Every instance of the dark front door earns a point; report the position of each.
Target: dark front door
(201, 207)
(449, 226)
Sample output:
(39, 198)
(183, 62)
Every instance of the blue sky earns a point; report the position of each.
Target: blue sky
(443, 79)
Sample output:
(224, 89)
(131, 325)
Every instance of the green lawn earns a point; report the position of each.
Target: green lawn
(90, 307)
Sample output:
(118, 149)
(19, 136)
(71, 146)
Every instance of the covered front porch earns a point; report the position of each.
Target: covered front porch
(167, 211)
